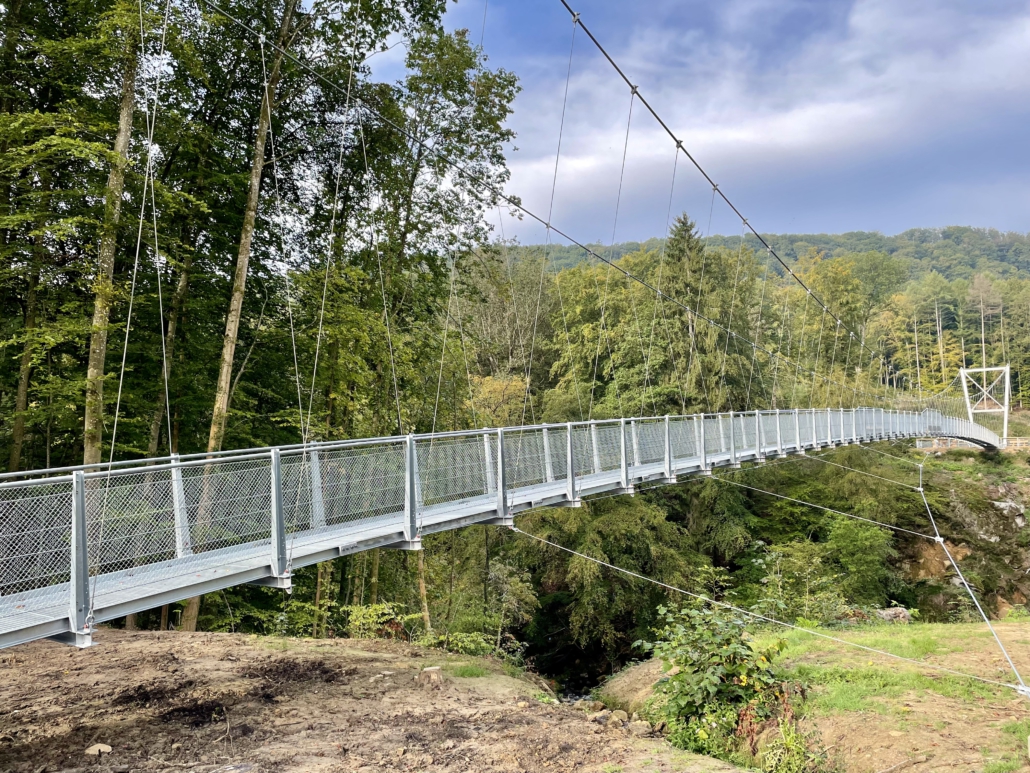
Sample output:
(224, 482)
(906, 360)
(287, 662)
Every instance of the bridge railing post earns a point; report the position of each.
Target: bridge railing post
(829, 427)
(502, 477)
(797, 432)
(411, 490)
(854, 425)
(279, 557)
(636, 443)
(593, 447)
(488, 464)
(699, 441)
(317, 499)
(183, 542)
(779, 435)
(759, 436)
(733, 443)
(79, 569)
(570, 465)
(623, 454)
(548, 464)
(668, 449)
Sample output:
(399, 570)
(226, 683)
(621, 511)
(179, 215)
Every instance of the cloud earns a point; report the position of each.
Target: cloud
(822, 115)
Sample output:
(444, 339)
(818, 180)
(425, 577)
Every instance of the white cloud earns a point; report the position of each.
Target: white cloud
(891, 81)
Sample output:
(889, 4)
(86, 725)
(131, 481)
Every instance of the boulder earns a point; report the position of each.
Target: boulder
(640, 728)
(895, 615)
(431, 677)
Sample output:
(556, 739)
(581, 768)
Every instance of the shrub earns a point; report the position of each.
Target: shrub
(710, 662)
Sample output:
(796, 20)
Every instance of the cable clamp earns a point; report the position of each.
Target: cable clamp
(632, 89)
(939, 540)
(679, 144)
(575, 18)
(919, 489)
(261, 39)
(1023, 690)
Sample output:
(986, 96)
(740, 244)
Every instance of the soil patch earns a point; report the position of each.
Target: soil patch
(203, 702)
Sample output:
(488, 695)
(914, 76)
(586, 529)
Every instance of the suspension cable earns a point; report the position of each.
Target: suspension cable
(477, 178)
(766, 619)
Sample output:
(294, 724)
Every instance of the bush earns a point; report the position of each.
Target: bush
(710, 662)
(722, 692)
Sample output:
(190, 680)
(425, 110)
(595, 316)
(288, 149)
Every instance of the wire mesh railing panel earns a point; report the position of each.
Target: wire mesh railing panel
(822, 428)
(609, 446)
(525, 460)
(745, 432)
(229, 504)
(583, 451)
(451, 469)
(836, 433)
(362, 483)
(557, 447)
(683, 438)
(787, 434)
(35, 540)
(807, 427)
(716, 441)
(650, 441)
(298, 494)
(130, 520)
(770, 429)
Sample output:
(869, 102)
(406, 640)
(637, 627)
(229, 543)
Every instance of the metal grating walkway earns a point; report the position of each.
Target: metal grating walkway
(84, 545)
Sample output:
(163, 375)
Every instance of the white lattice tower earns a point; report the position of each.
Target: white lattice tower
(988, 391)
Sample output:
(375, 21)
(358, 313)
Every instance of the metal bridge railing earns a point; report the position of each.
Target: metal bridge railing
(82, 545)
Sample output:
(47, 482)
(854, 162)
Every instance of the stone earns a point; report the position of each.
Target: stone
(640, 728)
(431, 677)
(599, 716)
(522, 705)
(620, 715)
(582, 705)
(597, 705)
(614, 721)
(895, 615)
(97, 749)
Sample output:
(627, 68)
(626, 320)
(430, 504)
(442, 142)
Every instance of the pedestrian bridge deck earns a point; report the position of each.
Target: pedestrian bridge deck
(86, 545)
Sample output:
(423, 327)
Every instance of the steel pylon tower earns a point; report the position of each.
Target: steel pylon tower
(991, 393)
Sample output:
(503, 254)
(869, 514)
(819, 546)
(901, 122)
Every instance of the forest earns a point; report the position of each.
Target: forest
(214, 237)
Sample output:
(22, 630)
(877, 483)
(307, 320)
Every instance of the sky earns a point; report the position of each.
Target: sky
(813, 116)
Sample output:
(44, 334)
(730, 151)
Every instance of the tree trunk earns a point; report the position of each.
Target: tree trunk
(21, 401)
(103, 285)
(373, 597)
(173, 320)
(232, 321)
(319, 580)
(423, 597)
(130, 623)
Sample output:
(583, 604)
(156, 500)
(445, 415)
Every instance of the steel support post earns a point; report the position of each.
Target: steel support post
(317, 499)
(669, 477)
(411, 535)
(797, 432)
(79, 612)
(570, 468)
(699, 440)
(623, 454)
(829, 428)
(733, 443)
(759, 436)
(779, 435)
(502, 479)
(636, 443)
(280, 567)
(548, 464)
(488, 464)
(183, 542)
(594, 449)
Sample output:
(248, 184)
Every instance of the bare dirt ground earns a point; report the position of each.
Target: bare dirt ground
(238, 704)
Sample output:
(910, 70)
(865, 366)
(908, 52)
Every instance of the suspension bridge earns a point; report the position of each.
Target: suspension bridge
(84, 545)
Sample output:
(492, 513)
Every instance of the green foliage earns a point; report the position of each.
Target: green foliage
(373, 621)
(712, 661)
(791, 752)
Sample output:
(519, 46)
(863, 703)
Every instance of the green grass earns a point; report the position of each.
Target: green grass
(1003, 766)
(466, 670)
